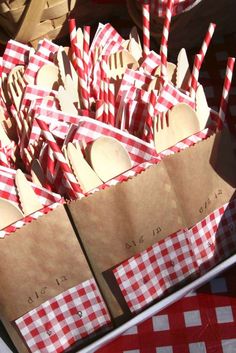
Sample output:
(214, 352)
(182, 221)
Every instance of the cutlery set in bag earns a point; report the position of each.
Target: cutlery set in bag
(117, 183)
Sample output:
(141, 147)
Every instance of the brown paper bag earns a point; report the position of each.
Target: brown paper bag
(119, 222)
(44, 254)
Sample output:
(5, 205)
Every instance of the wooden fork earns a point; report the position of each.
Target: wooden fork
(16, 85)
(119, 62)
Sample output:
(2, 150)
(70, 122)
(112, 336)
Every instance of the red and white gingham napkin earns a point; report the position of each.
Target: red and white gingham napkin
(15, 54)
(47, 49)
(139, 151)
(158, 7)
(146, 276)
(151, 62)
(59, 322)
(35, 63)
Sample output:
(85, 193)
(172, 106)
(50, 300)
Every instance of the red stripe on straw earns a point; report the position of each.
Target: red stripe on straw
(164, 40)
(207, 40)
(226, 89)
(146, 28)
(148, 126)
(60, 157)
(111, 104)
(86, 43)
(195, 75)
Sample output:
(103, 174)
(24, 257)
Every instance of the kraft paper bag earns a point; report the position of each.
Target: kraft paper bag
(119, 222)
(37, 263)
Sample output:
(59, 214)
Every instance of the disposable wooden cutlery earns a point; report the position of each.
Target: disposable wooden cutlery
(10, 213)
(85, 175)
(28, 199)
(181, 122)
(108, 158)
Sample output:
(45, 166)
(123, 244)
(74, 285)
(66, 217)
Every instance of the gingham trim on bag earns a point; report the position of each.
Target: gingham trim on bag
(61, 321)
(214, 238)
(146, 276)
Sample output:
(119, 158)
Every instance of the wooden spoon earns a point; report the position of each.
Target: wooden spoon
(171, 72)
(48, 77)
(182, 122)
(85, 175)
(10, 213)
(28, 199)
(109, 158)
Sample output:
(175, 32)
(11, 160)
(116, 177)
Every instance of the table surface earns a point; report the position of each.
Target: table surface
(205, 321)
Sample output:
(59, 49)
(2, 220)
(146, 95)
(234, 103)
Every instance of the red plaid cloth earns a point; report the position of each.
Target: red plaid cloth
(61, 321)
(158, 7)
(148, 275)
(15, 54)
(35, 63)
(46, 49)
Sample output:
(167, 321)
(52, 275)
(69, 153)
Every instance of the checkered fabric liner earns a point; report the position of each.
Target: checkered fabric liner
(47, 49)
(33, 92)
(35, 63)
(61, 321)
(158, 7)
(146, 276)
(214, 238)
(151, 62)
(15, 54)
(105, 35)
(139, 151)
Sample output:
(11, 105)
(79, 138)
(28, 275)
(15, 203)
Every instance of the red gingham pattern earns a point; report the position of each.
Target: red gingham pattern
(61, 321)
(214, 238)
(139, 151)
(15, 54)
(148, 275)
(105, 35)
(35, 63)
(170, 96)
(33, 92)
(159, 6)
(146, 28)
(47, 49)
(151, 62)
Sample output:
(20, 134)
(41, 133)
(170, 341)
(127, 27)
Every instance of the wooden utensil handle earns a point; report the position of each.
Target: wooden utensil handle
(31, 18)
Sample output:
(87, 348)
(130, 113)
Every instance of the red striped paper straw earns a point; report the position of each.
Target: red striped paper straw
(150, 118)
(99, 110)
(104, 88)
(111, 104)
(86, 43)
(59, 157)
(207, 40)
(226, 89)
(164, 39)
(73, 40)
(78, 63)
(82, 79)
(146, 27)
(195, 75)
